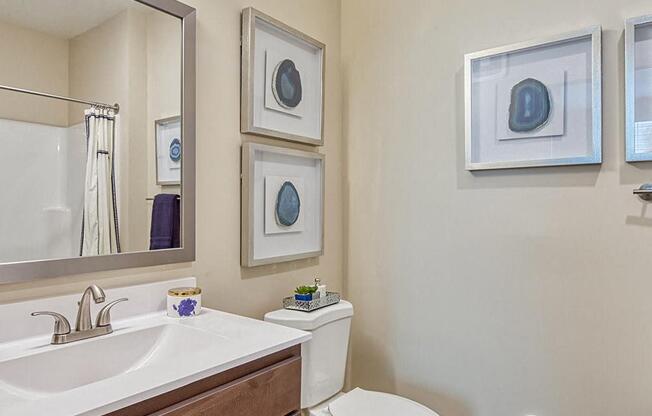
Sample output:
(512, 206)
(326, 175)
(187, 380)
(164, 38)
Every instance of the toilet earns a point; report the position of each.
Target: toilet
(324, 364)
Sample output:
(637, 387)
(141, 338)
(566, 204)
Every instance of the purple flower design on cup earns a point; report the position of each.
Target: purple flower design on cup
(186, 307)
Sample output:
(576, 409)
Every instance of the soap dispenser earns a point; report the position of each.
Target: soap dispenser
(321, 289)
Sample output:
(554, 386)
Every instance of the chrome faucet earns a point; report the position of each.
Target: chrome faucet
(84, 313)
(84, 327)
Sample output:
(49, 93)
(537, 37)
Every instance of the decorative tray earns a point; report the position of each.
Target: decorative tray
(331, 298)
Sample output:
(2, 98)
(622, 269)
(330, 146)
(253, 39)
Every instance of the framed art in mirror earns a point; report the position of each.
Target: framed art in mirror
(86, 193)
(282, 204)
(638, 89)
(168, 151)
(282, 81)
(535, 103)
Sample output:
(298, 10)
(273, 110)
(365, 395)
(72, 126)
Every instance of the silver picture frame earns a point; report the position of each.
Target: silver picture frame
(247, 124)
(631, 25)
(157, 124)
(248, 200)
(593, 33)
(39, 269)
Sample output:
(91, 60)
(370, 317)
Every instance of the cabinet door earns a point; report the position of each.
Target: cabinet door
(272, 391)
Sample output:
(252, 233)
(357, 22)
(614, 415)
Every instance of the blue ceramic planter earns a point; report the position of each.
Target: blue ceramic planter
(307, 297)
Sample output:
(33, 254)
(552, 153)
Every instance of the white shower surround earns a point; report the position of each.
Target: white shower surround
(41, 214)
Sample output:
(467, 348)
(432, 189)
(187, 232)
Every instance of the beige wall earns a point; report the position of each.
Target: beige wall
(135, 116)
(35, 61)
(226, 286)
(163, 68)
(98, 65)
(499, 293)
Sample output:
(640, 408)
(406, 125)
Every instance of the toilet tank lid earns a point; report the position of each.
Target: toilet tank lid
(308, 321)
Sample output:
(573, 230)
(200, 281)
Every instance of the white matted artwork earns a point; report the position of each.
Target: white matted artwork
(282, 80)
(535, 103)
(168, 151)
(555, 82)
(267, 238)
(493, 67)
(273, 187)
(638, 97)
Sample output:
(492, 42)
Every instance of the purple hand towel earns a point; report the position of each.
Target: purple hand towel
(166, 222)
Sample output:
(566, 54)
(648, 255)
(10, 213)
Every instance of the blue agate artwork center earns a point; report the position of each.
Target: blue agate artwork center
(175, 150)
(288, 205)
(286, 84)
(529, 108)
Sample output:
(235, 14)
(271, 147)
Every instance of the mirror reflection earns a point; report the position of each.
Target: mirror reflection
(95, 170)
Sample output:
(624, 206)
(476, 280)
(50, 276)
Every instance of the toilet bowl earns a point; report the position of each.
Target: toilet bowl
(323, 365)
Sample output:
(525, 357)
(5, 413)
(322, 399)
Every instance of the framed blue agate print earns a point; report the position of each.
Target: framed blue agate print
(282, 204)
(536, 103)
(168, 150)
(638, 87)
(282, 81)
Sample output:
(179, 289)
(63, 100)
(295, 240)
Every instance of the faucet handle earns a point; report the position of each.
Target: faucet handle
(104, 315)
(61, 324)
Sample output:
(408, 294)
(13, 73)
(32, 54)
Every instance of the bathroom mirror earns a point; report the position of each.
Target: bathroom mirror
(97, 135)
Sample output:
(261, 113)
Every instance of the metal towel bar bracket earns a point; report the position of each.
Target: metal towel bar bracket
(644, 192)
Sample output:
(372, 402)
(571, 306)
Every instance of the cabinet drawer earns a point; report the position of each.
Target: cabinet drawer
(188, 392)
(272, 391)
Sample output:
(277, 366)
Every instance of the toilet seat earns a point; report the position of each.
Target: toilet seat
(359, 402)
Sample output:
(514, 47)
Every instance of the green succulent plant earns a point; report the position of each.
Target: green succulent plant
(305, 290)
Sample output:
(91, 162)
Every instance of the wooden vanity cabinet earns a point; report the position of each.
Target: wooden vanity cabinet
(269, 386)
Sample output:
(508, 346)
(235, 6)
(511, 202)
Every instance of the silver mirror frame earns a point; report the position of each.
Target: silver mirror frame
(38, 269)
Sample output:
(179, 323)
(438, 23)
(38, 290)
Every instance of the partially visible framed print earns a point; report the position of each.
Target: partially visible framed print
(537, 103)
(282, 81)
(638, 84)
(282, 204)
(168, 151)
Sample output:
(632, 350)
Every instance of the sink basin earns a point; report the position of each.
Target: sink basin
(67, 367)
(147, 355)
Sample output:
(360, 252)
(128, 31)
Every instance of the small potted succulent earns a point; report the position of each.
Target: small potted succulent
(304, 293)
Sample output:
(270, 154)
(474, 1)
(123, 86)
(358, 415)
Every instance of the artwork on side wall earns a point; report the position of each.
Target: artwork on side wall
(283, 196)
(638, 84)
(282, 81)
(535, 103)
(282, 204)
(168, 151)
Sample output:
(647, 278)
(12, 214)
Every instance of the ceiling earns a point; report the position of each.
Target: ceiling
(62, 18)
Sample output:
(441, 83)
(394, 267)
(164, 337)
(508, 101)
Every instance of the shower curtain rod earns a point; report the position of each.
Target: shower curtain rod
(114, 107)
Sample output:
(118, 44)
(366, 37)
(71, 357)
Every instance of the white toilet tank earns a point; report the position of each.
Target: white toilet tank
(324, 356)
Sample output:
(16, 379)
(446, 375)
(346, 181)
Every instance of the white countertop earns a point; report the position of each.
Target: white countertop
(228, 341)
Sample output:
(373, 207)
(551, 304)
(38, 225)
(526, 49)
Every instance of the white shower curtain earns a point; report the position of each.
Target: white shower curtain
(100, 227)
